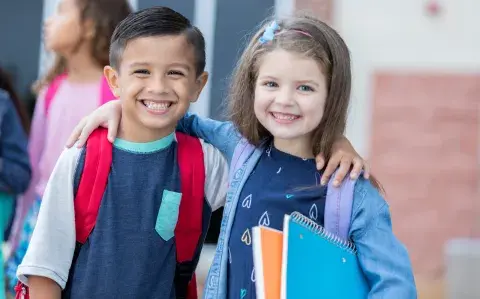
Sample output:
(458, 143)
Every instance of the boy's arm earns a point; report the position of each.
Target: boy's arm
(44, 288)
(50, 252)
(382, 257)
(216, 176)
(14, 162)
(221, 135)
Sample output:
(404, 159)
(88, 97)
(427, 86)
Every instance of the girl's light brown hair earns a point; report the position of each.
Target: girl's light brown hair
(305, 35)
(105, 14)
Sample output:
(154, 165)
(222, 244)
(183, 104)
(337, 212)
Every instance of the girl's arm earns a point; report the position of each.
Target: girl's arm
(382, 257)
(15, 171)
(221, 135)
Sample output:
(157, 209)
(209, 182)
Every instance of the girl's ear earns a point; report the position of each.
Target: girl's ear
(89, 29)
(200, 84)
(112, 78)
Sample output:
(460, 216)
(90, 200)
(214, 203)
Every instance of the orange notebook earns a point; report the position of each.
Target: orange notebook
(267, 259)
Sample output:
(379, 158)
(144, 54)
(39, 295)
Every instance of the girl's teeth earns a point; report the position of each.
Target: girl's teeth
(282, 116)
(157, 106)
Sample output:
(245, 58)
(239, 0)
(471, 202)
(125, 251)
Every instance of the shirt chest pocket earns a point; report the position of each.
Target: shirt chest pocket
(167, 216)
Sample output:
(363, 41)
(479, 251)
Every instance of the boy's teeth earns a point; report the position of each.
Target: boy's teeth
(284, 116)
(156, 106)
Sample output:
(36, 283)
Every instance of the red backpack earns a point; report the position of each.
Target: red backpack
(98, 159)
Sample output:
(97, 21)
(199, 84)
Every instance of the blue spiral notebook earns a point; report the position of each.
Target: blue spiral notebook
(317, 264)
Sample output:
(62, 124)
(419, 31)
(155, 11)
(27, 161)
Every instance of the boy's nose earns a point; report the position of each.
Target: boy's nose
(159, 86)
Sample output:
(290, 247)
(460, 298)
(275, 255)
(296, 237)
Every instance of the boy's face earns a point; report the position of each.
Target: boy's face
(156, 81)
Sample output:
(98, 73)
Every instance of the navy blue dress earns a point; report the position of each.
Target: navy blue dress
(280, 184)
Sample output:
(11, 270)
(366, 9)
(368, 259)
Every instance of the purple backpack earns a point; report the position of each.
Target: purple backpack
(338, 206)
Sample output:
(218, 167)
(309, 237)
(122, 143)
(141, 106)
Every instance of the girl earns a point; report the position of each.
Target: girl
(79, 34)
(290, 112)
(14, 164)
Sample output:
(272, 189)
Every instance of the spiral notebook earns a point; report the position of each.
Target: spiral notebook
(318, 264)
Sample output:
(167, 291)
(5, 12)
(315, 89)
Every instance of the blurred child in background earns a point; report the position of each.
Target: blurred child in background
(79, 34)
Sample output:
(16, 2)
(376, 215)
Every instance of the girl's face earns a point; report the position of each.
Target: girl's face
(290, 94)
(64, 30)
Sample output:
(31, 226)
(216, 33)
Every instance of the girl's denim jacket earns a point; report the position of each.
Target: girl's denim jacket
(383, 259)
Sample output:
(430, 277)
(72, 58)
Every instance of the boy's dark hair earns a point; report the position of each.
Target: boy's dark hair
(156, 21)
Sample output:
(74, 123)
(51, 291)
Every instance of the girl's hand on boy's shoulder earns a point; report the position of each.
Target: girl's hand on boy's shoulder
(343, 157)
(107, 116)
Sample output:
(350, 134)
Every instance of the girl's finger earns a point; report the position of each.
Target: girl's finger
(76, 133)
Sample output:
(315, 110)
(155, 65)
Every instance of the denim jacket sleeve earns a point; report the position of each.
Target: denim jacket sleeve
(221, 135)
(382, 257)
(15, 170)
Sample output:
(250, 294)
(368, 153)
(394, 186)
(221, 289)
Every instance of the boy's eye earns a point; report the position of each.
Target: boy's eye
(142, 72)
(305, 88)
(270, 84)
(175, 73)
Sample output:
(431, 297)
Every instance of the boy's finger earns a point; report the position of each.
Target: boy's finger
(330, 169)
(366, 169)
(342, 171)
(320, 160)
(357, 168)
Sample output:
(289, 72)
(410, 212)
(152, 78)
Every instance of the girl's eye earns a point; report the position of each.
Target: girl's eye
(270, 84)
(305, 88)
(175, 73)
(142, 72)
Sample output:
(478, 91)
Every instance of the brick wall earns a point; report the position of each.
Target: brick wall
(425, 145)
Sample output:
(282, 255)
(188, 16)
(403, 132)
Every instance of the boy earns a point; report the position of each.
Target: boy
(157, 61)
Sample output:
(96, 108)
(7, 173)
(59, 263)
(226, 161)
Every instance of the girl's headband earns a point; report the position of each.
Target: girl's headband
(272, 30)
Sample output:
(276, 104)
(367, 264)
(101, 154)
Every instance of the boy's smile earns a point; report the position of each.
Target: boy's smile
(156, 81)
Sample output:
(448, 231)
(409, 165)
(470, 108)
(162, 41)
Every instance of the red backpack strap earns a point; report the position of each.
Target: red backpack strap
(52, 90)
(189, 226)
(98, 160)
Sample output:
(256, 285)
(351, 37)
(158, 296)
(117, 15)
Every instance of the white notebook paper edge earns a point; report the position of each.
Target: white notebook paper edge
(258, 262)
(286, 222)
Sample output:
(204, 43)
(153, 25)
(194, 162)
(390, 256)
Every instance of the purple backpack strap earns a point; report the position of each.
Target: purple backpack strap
(338, 207)
(241, 153)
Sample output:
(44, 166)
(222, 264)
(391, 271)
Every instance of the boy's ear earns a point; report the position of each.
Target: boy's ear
(200, 84)
(112, 78)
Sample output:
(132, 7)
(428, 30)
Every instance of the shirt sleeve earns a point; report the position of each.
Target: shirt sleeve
(383, 258)
(52, 246)
(216, 176)
(221, 135)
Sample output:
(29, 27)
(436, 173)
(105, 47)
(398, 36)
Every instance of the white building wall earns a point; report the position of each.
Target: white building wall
(402, 35)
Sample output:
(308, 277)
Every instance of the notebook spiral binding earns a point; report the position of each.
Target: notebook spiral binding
(319, 230)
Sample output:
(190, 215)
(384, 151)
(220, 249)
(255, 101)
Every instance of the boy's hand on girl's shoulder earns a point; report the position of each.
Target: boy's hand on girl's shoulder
(343, 157)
